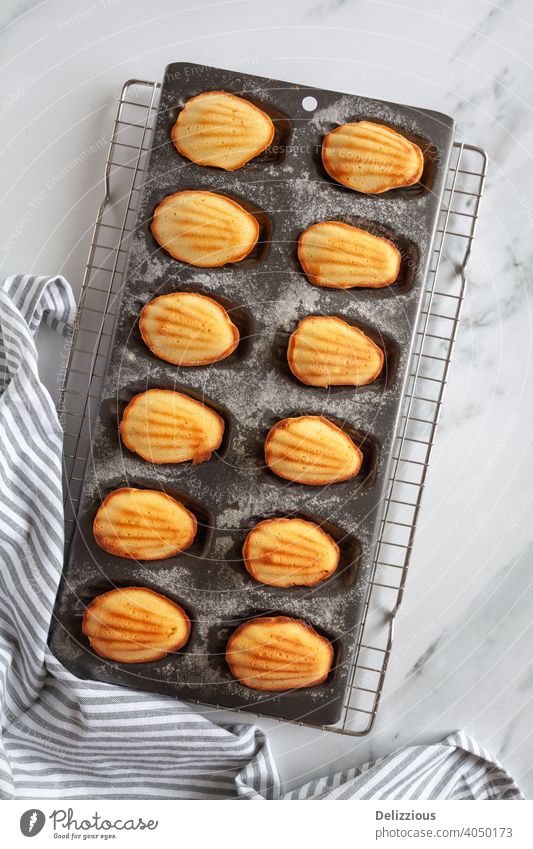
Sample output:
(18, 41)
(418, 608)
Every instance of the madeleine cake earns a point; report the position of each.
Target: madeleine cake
(290, 553)
(204, 229)
(311, 450)
(371, 158)
(188, 329)
(278, 653)
(143, 524)
(340, 256)
(220, 129)
(326, 351)
(135, 625)
(163, 426)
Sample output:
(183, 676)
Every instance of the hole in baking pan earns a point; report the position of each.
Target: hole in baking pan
(87, 592)
(408, 259)
(239, 315)
(343, 577)
(429, 151)
(220, 633)
(204, 516)
(275, 152)
(112, 411)
(368, 445)
(309, 103)
(383, 381)
(256, 255)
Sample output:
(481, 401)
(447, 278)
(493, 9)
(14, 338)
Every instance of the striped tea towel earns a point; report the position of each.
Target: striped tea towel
(69, 739)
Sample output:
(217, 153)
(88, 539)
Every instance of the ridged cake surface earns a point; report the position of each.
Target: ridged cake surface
(278, 653)
(163, 426)
(135, 625)
(222, 130)
(371, 158)
(188, 329)
(290, 553)
(327, 351)
(311, 450)
(339, 256)
(143, 524)
(204, 229)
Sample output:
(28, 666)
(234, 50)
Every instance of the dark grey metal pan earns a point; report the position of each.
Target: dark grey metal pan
(267, 294)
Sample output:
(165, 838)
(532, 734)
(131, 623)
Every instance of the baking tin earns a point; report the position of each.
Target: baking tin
(266, 294)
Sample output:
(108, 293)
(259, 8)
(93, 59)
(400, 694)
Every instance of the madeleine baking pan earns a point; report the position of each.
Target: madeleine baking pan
(267, 294)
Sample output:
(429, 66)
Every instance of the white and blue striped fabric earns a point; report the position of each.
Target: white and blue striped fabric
(62, 738)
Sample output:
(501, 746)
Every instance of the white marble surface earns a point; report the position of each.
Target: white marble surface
(463, 641)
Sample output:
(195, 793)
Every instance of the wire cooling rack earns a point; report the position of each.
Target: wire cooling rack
(435, 337)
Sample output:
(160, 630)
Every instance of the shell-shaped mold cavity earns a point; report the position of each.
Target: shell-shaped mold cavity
(188, 329)
(311, 450)
(135, 625)
(221, 129)
(339, 256)
(290, 553)
(143, 524)
(327, 351)
(204, 229)
(371, 158)
(278, 653)
(163, 426)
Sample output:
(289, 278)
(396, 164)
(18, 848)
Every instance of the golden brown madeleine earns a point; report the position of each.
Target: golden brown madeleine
(340, 256)
(326, 351)
(311, 450)
(220, 129)
(163, 426)
(188, 329)
(290, 553)
(143, 524)
(371, 158)
(204, 229)
(135, 625)
(278, 653)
